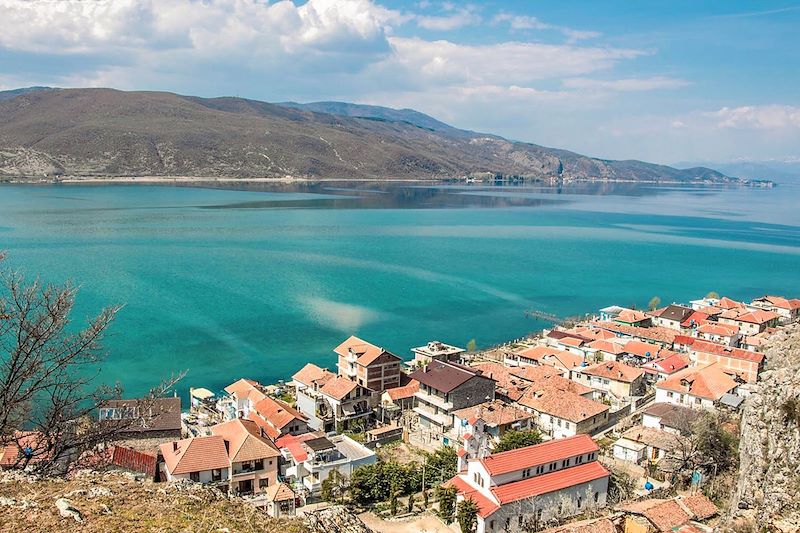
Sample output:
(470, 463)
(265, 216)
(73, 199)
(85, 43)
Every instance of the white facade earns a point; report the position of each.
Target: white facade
(687, 400)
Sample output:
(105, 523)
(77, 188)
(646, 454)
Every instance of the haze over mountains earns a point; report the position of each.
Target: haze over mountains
(105, 132)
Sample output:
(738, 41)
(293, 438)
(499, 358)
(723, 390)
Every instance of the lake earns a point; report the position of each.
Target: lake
(255, 281)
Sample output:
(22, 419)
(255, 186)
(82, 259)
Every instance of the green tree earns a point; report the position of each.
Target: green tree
(654, 302)
(447, 503)
(334, 487)
(440, 466)
(393, 503)
(472, 345)
(713, 295)
(467, 515)
(511, 440)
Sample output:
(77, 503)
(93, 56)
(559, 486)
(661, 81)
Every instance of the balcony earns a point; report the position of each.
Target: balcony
(433, 399)
(441, 419)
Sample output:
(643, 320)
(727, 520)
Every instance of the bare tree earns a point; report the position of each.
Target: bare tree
(47, 401)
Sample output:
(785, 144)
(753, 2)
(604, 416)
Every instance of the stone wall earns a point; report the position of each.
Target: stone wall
(768, 490)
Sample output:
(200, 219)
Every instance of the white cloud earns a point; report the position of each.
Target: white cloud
(626, 84)
(521, 22)
(764, 117)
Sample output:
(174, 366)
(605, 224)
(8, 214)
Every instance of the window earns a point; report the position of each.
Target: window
(559, 422)
(508, 522)
(539, 514)
(263, 483)
(698, 401)
(259, 464)
(596, 497)
(579, 460)
(491, 525)
(216, 475)
(580, 500)
(194, 476)
(605, 382)
(670, 395)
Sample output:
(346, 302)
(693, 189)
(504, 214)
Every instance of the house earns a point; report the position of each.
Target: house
(563, 413)
(368, 365)
(632, 317)
(656, 515)
(608, 350)
(671, 316)
(307, 382)
(399, 400)
(509, 385)
(443, 388)
(750, 322)
(651, 445)
(787, 309)
(485, 423)
(636, 352)
(522, 489)
(695, 320)
(611, 377)
(341, 402)
(240, 399)
(653, 334)
(253, 457)
(310, 459)
(669, 417)
(697, 387)
(280, 500)
(744, 363)
(609, 313)
(200, 459)
(544, 355)
(143, 418)
(726, 334)
(278, 418)
(664, 366)
(435, 350)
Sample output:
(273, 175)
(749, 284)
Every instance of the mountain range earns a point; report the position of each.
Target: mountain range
(48, 132)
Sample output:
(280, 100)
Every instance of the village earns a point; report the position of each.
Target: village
(623, 421)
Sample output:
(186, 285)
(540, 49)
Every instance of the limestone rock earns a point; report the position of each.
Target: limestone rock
(66, 510)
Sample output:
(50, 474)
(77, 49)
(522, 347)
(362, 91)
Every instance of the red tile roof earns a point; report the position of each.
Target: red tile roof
(564, 405)
(606, 346)
(311, 375)
(654, 333)
(642, 349)
(709, 382)
(670, 364)
(727, 351)
(759, 316)
(245, 441)
(367, 352)
(538, 454)
(195, 455)
(700, 506)
(278, 413)
(246, 388)
(547, 355)
(722, 330)
(509, 383)
(494, 413)
(339, 387)
(695, 319)
(294, 443)
(268, 428)
(727, 303)
(631, 316)
(664, 514)
(551, 482)
(614, 370)
(406, 391)
(485, 506)
(781, 302)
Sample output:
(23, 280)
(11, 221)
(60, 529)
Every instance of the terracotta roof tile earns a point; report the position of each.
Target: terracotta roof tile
(551, 482)
(564, 405)
(367, 352)
(593, 525)
(538, 454)
(710, 382)
(701, 507)
(669, 364)
(311, 375)
(245, 441)
(653, 333)
(406, 391)
(607, 346)
(642, 349)
(278, 413)
(722, 330)
(727, 351)
(494, 413)
(508, 382)
(246, 388)
(339, 387)
(547, 355)
(485, 506)
(615, 371)
(664, 514)
(195, 455)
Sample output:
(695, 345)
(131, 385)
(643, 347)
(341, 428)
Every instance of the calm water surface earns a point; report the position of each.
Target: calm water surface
(255, 282)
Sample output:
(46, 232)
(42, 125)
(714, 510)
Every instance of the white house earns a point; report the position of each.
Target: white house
(527, 488)
(697, 387)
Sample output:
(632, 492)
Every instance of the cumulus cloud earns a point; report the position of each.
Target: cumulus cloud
(765, 117)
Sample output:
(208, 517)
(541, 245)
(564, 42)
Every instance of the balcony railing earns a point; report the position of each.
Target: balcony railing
(433, 399)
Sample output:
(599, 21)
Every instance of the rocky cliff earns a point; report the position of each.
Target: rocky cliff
(768, 490)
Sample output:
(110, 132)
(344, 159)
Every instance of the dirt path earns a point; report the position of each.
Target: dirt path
(422, 524)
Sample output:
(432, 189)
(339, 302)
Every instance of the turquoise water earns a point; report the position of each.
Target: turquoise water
(233, 283)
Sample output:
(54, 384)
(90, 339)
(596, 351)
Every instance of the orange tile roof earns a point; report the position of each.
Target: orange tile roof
(551, 356)
(571, 341)
(715, 328)
(338, 388)
(664, 514)
(606, 346)
(10, 455)
(278, 413)
(759, 316)
(311, 374)
(700, 506)
(510, 384)
(669, 364)
(485, 506)
(727, 303)
(782, 303)
(552, 382)
(642, 349)
(279, 492)
(564, 405)
(631, 316)
(195, 455)
(726, 351)
(538, 454)
(246, 389)
(494, 413)
(295, 445)
(406, 391)
(535, 373)
(367, 352)
(593, 525)
(245, 441)
(551, 482)
(654, 333)
(695, 319)
(615, 371)
(710, 382)
(268, 428)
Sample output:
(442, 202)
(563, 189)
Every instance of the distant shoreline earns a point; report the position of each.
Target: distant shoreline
(199, 180)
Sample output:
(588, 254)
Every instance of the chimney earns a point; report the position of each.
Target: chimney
(174, 446)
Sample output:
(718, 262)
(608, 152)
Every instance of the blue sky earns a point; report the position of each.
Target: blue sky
(660, 81)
